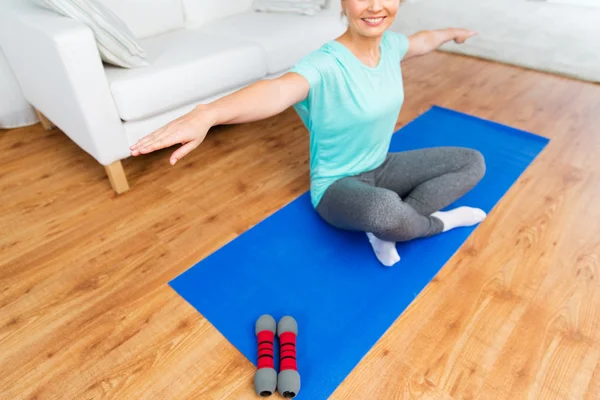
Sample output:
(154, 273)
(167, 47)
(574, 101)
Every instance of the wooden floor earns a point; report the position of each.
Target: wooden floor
(86, 312)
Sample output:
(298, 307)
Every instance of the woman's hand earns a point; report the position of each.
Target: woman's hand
(189, 130)
(424, 42)
(461, 35)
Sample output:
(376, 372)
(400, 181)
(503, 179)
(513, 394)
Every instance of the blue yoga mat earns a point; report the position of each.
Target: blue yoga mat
(329, 280)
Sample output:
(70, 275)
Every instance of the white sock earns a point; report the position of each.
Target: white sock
(385, 251)
(461, 216)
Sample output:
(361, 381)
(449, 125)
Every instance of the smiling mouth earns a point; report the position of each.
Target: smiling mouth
(373, 21)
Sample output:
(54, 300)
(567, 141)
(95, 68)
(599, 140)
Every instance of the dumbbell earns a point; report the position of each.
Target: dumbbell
(265, 377)
(288, 380)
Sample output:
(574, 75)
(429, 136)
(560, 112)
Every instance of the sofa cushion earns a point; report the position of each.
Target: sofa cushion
(200, 12)
(144, 20)
(296, 35)
(186, 66)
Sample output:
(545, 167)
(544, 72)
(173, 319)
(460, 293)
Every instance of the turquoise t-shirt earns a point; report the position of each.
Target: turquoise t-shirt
(351, 109)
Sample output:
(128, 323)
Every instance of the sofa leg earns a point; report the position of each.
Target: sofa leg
(46, 123)
(117, 177)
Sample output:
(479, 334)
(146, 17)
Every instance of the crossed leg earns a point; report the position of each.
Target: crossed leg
(401, 199)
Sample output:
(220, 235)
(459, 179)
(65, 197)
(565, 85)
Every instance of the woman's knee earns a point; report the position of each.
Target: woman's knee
(475, 165)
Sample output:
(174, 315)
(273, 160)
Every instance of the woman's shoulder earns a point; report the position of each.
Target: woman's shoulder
(396, 43)
(316, 64)
(322, 56)
(395, 38)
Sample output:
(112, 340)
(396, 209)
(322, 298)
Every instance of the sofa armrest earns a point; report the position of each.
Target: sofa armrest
(58, 66)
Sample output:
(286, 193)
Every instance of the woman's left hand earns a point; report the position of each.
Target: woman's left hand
(461, 35)
(425, 42)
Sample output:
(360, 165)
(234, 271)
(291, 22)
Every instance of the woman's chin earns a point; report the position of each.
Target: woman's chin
(370, 31)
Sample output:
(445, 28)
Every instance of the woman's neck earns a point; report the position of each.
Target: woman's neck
(364, 48)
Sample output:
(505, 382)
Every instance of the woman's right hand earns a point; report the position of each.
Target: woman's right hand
(189, 130)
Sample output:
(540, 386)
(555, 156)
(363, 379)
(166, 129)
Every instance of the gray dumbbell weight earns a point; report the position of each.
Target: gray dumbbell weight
(265, 377)
(288, 380)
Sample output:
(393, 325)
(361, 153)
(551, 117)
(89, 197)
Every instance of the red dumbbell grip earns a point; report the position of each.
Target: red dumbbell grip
(265, 349)
(287, 351)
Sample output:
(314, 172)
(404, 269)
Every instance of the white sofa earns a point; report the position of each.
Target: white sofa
(15, 111)
(199, 50)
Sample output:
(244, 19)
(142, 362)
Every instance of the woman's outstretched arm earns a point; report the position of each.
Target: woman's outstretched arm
(257, 101)
(425, 42)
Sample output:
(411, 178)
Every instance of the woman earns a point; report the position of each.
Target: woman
(349, 93)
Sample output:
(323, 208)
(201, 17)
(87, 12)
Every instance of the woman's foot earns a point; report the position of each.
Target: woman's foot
(461, 216)
(385, 251)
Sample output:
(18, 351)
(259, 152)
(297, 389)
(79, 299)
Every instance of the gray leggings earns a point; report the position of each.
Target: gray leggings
(396, 200)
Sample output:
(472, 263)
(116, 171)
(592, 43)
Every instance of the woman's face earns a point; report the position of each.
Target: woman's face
(370, 18)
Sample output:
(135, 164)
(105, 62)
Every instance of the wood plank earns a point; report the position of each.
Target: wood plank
(86, 310)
